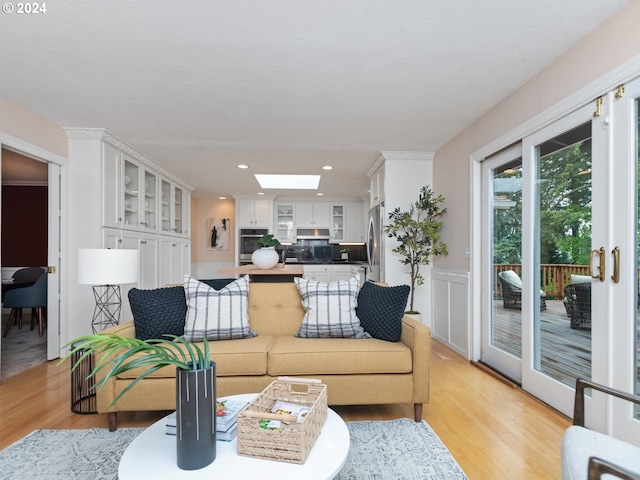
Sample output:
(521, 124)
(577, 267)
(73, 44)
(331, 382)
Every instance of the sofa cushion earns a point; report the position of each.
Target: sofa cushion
(330, 309)
(380, 310)
(247, 356)
(337, 356)
(158, 312)
(217, 314)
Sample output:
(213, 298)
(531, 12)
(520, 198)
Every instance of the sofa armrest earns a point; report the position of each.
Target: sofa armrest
(107, 394)
(417, 337)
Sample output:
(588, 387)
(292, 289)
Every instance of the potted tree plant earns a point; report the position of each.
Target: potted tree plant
(418, 231)
(265, 255)
(195, 413)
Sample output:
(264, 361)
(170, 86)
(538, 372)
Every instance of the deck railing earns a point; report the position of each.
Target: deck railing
(553, 278)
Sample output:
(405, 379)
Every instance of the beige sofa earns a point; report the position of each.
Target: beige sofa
(356, 371)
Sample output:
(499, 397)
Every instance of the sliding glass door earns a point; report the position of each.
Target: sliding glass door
(560, 259)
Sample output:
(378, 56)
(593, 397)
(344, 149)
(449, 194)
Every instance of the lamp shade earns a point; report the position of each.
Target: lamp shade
(102, 266)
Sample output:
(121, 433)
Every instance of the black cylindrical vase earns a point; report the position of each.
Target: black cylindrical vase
(196, 417)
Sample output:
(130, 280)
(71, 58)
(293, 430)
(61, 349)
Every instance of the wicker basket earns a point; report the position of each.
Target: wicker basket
(294, 440)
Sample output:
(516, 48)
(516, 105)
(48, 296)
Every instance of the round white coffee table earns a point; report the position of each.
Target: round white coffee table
(153, 455)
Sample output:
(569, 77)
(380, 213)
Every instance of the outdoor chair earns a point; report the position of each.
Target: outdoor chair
(512, 291)
(578, 304)
(587, 454)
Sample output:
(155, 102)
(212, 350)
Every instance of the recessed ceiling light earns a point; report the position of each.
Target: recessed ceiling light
(319, 194)
(299, 182)
(327, 167)
(243, 166)
(222, 198)
(260, 193)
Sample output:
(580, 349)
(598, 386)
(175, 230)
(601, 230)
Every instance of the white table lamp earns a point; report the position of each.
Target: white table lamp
(107, 269)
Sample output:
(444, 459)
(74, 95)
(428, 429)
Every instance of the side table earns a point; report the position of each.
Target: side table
(83, 395)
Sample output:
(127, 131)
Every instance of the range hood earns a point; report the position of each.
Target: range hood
(313, 234)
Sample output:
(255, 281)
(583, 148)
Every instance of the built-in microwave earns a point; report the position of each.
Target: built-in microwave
(248, 238)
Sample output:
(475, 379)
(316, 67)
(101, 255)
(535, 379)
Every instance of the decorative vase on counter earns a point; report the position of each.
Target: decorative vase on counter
(265, 258)
(196, 417)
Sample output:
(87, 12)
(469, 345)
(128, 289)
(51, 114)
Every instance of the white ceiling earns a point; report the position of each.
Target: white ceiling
(284, 86)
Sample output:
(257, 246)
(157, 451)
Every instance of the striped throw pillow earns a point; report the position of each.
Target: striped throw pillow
(330, 309)
(217, 314)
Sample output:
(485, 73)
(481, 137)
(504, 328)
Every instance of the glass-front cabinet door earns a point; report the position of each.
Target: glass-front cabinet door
(337, 223)
(131, 194)
(150, 201)
(166, 202)
(178, 210)
(285, 227)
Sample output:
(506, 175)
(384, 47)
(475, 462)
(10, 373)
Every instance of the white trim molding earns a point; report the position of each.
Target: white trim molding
(108, 137)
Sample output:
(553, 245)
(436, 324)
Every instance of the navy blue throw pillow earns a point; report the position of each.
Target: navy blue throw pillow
(158, 312)
(380, 310)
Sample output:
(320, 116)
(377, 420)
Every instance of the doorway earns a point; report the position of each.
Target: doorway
(25, 231)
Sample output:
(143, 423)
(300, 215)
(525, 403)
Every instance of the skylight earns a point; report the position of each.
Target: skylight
(294, 182)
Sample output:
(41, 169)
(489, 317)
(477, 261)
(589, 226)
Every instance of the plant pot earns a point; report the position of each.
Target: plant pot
(265, 258)
(344, 256)
(196, 417)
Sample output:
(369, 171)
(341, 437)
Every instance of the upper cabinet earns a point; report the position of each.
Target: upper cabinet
(130, 193)
(285, 224)
(347, 223)
(376, 187)
(174, 208)
(254, 213)
(338, 223)
(313, 215)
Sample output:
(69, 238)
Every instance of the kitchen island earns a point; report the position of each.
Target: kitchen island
(279, 273)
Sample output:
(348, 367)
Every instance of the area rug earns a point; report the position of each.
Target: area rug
(390, 450)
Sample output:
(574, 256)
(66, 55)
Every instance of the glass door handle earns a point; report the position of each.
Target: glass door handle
(616, 265)
(600, 253)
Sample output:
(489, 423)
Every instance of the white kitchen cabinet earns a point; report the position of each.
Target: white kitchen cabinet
(313, 215)
(355, 229)
(174, 208)
(174, 260)
(285, 225)
(332, 273)
(376, 187)
(254, 213)
(146, 244)
(112, 187)
(338, 223)
(347, 223)
(320, 273)
(129, 193)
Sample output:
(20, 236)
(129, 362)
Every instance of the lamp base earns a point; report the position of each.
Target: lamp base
(108, 304)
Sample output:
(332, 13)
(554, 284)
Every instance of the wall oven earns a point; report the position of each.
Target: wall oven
(248, 238)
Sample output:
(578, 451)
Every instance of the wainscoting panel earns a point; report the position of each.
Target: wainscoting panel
(451, 323)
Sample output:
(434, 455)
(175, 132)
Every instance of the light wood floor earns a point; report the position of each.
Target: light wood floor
(493, 430)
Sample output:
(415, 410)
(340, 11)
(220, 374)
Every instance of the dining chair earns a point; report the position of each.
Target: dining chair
(34, 297)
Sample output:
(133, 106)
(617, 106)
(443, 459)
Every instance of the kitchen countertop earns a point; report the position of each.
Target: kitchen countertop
(289, 269)
(327, 262)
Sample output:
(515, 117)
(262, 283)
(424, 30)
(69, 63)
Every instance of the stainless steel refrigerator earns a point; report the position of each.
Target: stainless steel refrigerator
(375, 244)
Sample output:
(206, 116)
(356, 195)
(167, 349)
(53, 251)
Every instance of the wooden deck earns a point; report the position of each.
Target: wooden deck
(565, 352)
